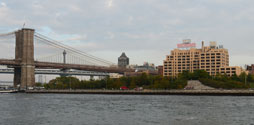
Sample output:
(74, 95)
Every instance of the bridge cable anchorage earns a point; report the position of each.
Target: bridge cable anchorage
(71, 49)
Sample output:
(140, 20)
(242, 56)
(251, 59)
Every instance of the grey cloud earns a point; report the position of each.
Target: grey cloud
(136, 25)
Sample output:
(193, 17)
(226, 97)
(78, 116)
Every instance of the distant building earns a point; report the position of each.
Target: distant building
(231, 70)
(130, 74)
(40, 79)
(115, 75)
(145, 67)
(123, 61)
(213, 59)
(160, 70)
(251, 69)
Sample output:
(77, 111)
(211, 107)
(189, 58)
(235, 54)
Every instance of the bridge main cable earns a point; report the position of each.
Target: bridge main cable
(7, 34)
(62, 46)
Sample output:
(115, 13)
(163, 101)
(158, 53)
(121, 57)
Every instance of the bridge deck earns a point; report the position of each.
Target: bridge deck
(49, 65)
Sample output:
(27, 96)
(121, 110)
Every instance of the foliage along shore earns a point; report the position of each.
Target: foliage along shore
(242, 81)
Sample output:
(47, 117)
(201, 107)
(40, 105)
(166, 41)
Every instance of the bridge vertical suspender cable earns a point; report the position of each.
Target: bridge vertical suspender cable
(73, 50)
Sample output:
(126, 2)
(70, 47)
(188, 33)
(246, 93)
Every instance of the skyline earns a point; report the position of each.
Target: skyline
(146, 28)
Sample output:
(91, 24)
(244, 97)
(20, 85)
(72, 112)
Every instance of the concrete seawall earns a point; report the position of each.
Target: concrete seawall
(151, 92)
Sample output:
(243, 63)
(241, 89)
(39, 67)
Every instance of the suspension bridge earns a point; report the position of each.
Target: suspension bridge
(29, 45)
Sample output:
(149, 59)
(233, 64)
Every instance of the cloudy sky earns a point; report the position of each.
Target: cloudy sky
(146, 30)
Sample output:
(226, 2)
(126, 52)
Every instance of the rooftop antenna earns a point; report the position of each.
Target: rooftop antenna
(24, 25)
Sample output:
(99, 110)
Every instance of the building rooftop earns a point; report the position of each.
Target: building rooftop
(123, 55)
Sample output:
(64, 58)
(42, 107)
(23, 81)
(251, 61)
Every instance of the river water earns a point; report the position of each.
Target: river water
(82, 109)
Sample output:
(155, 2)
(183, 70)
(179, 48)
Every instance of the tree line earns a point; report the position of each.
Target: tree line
(146, 81)
(243, 81)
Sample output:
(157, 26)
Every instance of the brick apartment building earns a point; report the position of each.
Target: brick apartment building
(251, 69)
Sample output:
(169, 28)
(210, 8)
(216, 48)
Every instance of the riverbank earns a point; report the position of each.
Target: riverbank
(8, 91)
(213, 92)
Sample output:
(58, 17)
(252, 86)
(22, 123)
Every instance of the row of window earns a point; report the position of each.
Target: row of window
(228, 68)
(210, 63)
(188, 63)
(218, 60)
(180, 69)
(212, 57)
(186, 53)
(212, 54)
(209, 66)
(197, 60)
(211, 73)
(233, 72)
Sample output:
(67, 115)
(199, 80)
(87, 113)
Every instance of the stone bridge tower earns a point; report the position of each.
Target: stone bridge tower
(24, 55)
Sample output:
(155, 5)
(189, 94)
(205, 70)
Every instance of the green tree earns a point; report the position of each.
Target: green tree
(235, 78)
(132, 84)
(143, 80)
(243, 77)
(197, 74)
(38, 84)
(186, 75)
(250, 78)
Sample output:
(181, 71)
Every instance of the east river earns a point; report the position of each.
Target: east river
(82, 109)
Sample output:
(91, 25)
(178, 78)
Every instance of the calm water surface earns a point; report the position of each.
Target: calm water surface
(67, 109)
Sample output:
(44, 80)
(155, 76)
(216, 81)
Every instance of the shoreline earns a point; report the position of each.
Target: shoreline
(211, 92)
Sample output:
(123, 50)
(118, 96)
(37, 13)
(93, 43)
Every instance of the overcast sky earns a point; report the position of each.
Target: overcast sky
(146, 30)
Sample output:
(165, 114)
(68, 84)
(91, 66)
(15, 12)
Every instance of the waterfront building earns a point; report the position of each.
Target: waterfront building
(115, 75)
(160, 70)
(123, 61)
(231, 70)
(131, 74)
(250, 69)
(210, 58)
(148, 68)
(145, 67)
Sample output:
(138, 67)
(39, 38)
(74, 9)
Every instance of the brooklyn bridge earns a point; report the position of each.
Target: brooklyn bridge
(25, 66)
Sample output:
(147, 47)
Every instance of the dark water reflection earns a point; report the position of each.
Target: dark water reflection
(64, 109)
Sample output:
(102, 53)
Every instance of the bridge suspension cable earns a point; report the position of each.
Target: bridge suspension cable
(7, 41)
(82, 54)
(7, 34)
(71, 59)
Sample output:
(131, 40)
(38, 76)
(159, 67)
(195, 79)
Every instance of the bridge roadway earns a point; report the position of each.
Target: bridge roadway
(49, 65)
(59, 72)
